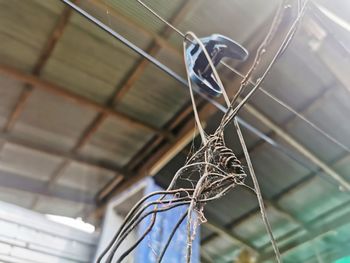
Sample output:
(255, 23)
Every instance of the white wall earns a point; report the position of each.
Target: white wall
(29, 237)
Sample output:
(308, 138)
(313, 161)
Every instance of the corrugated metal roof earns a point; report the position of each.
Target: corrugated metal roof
(44, 143)
(8, 97)
(25, 27)
(55, 122)
(116, 142)
(85, 178)
(22, 161)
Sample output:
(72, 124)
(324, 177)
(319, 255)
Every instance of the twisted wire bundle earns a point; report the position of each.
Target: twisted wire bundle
(218, 170)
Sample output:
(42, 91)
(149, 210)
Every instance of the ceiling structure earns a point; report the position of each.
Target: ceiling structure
(83, 117)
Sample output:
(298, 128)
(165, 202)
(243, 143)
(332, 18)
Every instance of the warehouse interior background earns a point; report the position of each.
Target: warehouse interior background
(86, 121)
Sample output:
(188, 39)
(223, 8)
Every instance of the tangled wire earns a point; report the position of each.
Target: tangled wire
(214, 168)
(218, 170)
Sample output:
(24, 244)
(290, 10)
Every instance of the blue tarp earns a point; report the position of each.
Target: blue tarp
(150, 247)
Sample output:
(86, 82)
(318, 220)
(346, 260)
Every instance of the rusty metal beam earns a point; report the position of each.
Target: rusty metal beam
(75, 98)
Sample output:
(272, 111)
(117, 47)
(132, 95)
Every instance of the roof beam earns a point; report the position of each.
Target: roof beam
(75, 98)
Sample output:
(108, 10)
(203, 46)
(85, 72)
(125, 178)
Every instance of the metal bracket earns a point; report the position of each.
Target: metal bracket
(218, 47)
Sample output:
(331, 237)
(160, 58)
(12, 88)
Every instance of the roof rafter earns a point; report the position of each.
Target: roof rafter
(75, 98)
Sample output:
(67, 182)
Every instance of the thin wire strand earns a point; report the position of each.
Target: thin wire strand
(161, 255)
(257, 191)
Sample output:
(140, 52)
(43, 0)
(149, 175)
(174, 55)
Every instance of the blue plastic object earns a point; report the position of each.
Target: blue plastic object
(218, 47)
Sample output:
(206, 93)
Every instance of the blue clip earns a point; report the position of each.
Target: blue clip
(218, 47)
